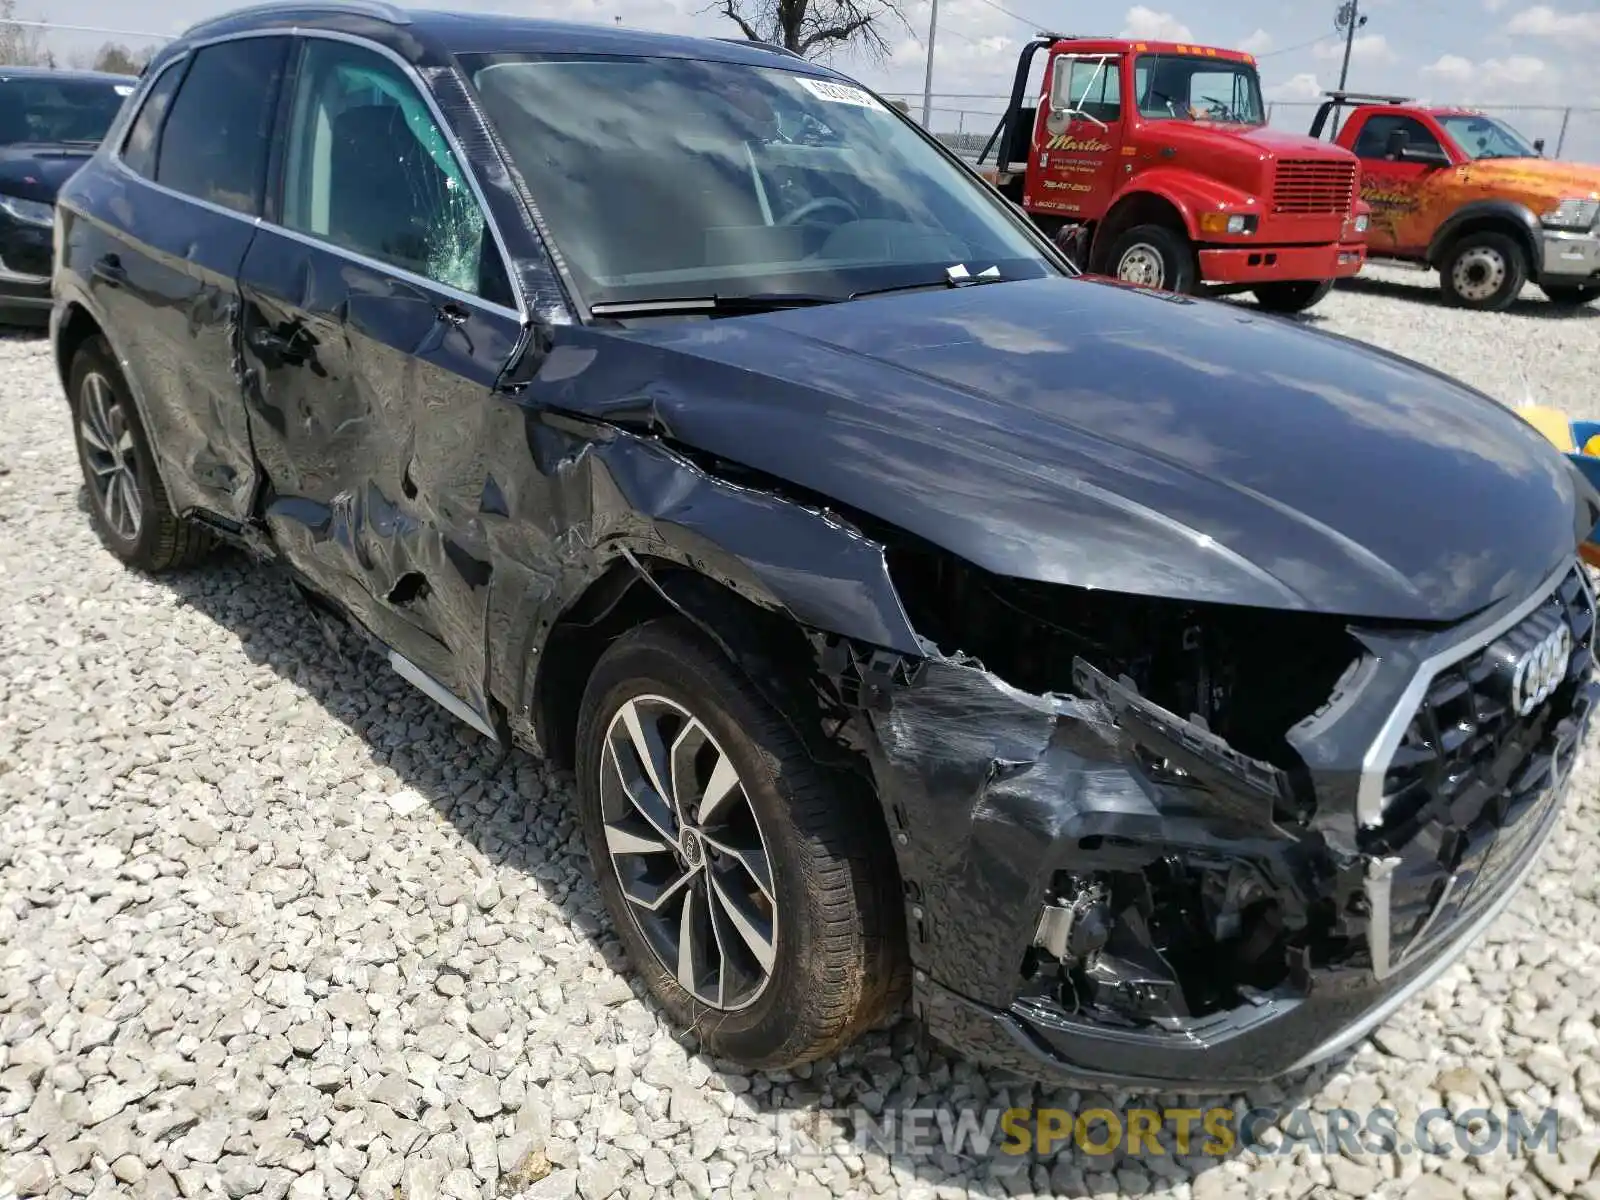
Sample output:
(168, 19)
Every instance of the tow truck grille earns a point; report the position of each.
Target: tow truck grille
(1314, 187)
(1471, 783)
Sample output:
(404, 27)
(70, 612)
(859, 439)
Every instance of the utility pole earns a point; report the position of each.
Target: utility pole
(1349, 19)
(927, 79)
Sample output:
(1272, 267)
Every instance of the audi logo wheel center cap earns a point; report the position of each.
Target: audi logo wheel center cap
(1541, 671)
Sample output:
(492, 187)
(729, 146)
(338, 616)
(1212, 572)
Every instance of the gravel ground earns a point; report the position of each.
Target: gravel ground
(270, 923)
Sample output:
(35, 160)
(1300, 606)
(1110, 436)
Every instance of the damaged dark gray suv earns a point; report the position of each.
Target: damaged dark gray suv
(1151, 691)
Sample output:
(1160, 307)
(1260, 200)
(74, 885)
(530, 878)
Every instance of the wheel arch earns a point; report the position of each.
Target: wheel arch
(74, 326)
(1140, 207)
(1508, 217)
(762, 641)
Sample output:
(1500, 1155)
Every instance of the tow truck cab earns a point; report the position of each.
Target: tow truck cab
(1460, 191)
(1151, 161)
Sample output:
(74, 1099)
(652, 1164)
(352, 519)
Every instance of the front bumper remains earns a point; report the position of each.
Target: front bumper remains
(25, 257)
(1276, 264)
(1016, 818)
(1572, 258)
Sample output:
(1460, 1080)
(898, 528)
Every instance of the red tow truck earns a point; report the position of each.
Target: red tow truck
(1151, 162)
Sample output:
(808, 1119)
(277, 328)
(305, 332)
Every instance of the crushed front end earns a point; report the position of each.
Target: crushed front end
(1102, 891)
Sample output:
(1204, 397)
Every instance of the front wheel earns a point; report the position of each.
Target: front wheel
(1153, 256)
(1570, 295)
(1485, 271)
(1292, 297)
(753, 889)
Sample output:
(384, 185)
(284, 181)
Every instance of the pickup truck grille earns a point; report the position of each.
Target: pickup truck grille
(1471, 783)
(1313, 187)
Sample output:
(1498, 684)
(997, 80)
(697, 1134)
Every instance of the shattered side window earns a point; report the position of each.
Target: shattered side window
(369, 170)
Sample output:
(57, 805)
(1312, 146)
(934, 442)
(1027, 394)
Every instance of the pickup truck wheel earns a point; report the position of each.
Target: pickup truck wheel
(1570, 295)
(750, 886)
(127, 503)
(1485, 271)
(1292, 297)
(1153, 256)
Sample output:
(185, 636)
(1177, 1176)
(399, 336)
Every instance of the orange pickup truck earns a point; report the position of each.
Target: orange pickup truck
(1463, 193)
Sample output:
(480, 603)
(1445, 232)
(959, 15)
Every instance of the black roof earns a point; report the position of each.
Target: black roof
(10, 72)
(429, 37)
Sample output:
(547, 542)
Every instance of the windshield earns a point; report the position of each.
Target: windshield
(1485, 137)
(40, 109)
(1174, 86)
(665, 177)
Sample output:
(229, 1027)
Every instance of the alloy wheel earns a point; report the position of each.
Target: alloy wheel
(688, 852)
(1142, 265)
(107, 438)
(1479, 273)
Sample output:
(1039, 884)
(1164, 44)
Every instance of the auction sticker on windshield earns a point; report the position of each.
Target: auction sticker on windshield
(839, 93)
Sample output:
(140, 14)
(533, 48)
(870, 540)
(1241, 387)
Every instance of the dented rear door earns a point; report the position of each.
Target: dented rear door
(164, 250)
(377, 319)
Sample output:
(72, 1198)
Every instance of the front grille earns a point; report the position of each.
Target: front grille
(1314, 187)
(1471, 781)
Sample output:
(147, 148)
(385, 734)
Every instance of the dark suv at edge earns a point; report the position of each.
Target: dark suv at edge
(1153, 691)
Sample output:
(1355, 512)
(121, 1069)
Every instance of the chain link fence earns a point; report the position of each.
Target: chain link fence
(1572, 133)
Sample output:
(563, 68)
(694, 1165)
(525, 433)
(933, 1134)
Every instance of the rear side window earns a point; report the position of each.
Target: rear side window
(1373, 141)
(139, 151)
(215, 142)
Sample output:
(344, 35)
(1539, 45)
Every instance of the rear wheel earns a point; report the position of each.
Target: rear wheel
(1570, 295)
(1485, 271)
(127, 503)
(752, 890)
(1153, 256)
(1292, 297)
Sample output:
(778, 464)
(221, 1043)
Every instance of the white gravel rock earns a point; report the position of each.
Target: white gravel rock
(272, 925)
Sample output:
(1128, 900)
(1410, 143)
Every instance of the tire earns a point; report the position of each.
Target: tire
(1484, 271)
(1153, 256)
(1570, 295)
(127, 504)
(835, 913)
(1292, 297)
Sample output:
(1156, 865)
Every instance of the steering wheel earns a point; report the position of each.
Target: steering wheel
(816, 206)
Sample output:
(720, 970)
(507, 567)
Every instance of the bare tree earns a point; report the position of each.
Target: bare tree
(117, 59)
(816, 28)
(21, 45)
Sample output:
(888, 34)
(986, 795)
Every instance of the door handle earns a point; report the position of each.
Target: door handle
(452, 313)
(110, 270)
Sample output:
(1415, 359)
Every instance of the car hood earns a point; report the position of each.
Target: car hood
(1538, 176)
(1084, 433)
(1273, 141)
(36, 170)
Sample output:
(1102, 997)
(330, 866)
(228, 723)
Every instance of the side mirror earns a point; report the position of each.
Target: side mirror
(1429, 156)
(1538, 147)
(1395, 147)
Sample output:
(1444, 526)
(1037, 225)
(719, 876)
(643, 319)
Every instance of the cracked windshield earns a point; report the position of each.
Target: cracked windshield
(666, 178)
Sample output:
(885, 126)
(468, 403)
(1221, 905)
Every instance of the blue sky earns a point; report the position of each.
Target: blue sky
(1488, 52)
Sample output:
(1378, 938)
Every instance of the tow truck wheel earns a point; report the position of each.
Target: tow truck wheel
(1292, 297)
(1153, 256)
(1570, 295)
(1484, 270)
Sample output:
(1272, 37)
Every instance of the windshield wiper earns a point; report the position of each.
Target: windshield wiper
(954, 277)
(756, 302)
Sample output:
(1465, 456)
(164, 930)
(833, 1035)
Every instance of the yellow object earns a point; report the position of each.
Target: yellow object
(1592, 446)
(1555, 426)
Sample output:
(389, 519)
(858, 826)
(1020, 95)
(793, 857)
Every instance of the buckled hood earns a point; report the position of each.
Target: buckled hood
(1084, 433)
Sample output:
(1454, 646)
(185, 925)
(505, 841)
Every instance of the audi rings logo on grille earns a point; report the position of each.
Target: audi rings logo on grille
(1540, 671)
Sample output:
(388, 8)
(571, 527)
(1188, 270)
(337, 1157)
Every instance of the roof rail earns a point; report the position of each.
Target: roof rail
(379, 10)
(760, 45)
(1366, 98)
